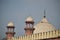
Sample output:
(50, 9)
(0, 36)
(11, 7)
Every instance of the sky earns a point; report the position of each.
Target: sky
(17, 11)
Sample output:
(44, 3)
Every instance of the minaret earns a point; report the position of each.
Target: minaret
(10, 30)
(29, 26)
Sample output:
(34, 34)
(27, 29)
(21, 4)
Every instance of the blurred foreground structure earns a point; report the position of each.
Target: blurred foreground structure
(41, 31)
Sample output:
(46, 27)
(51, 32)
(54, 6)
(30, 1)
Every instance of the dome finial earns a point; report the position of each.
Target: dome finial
(44, 14)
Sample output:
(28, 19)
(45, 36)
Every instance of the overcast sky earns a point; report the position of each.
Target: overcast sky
(18, 10)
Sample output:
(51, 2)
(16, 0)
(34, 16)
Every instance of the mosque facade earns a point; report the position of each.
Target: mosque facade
(41, 31)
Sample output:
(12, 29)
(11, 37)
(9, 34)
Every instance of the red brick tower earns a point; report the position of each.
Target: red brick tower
(29, 26)
(10, 30)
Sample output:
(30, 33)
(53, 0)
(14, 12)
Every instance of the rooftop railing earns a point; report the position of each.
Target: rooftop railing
(42, 35)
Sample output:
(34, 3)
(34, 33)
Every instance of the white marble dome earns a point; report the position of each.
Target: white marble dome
(29, 19)
(10, 24)
(43, 26)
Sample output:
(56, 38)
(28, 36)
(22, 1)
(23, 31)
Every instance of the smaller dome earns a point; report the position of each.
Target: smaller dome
(29, 19)
(10, 24)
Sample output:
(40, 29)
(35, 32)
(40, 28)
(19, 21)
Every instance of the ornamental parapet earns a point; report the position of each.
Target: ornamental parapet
(42, 35)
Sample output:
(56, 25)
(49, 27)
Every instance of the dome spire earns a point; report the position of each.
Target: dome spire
(44, 14)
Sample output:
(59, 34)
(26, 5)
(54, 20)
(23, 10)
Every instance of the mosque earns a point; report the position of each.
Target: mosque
(41, 31)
